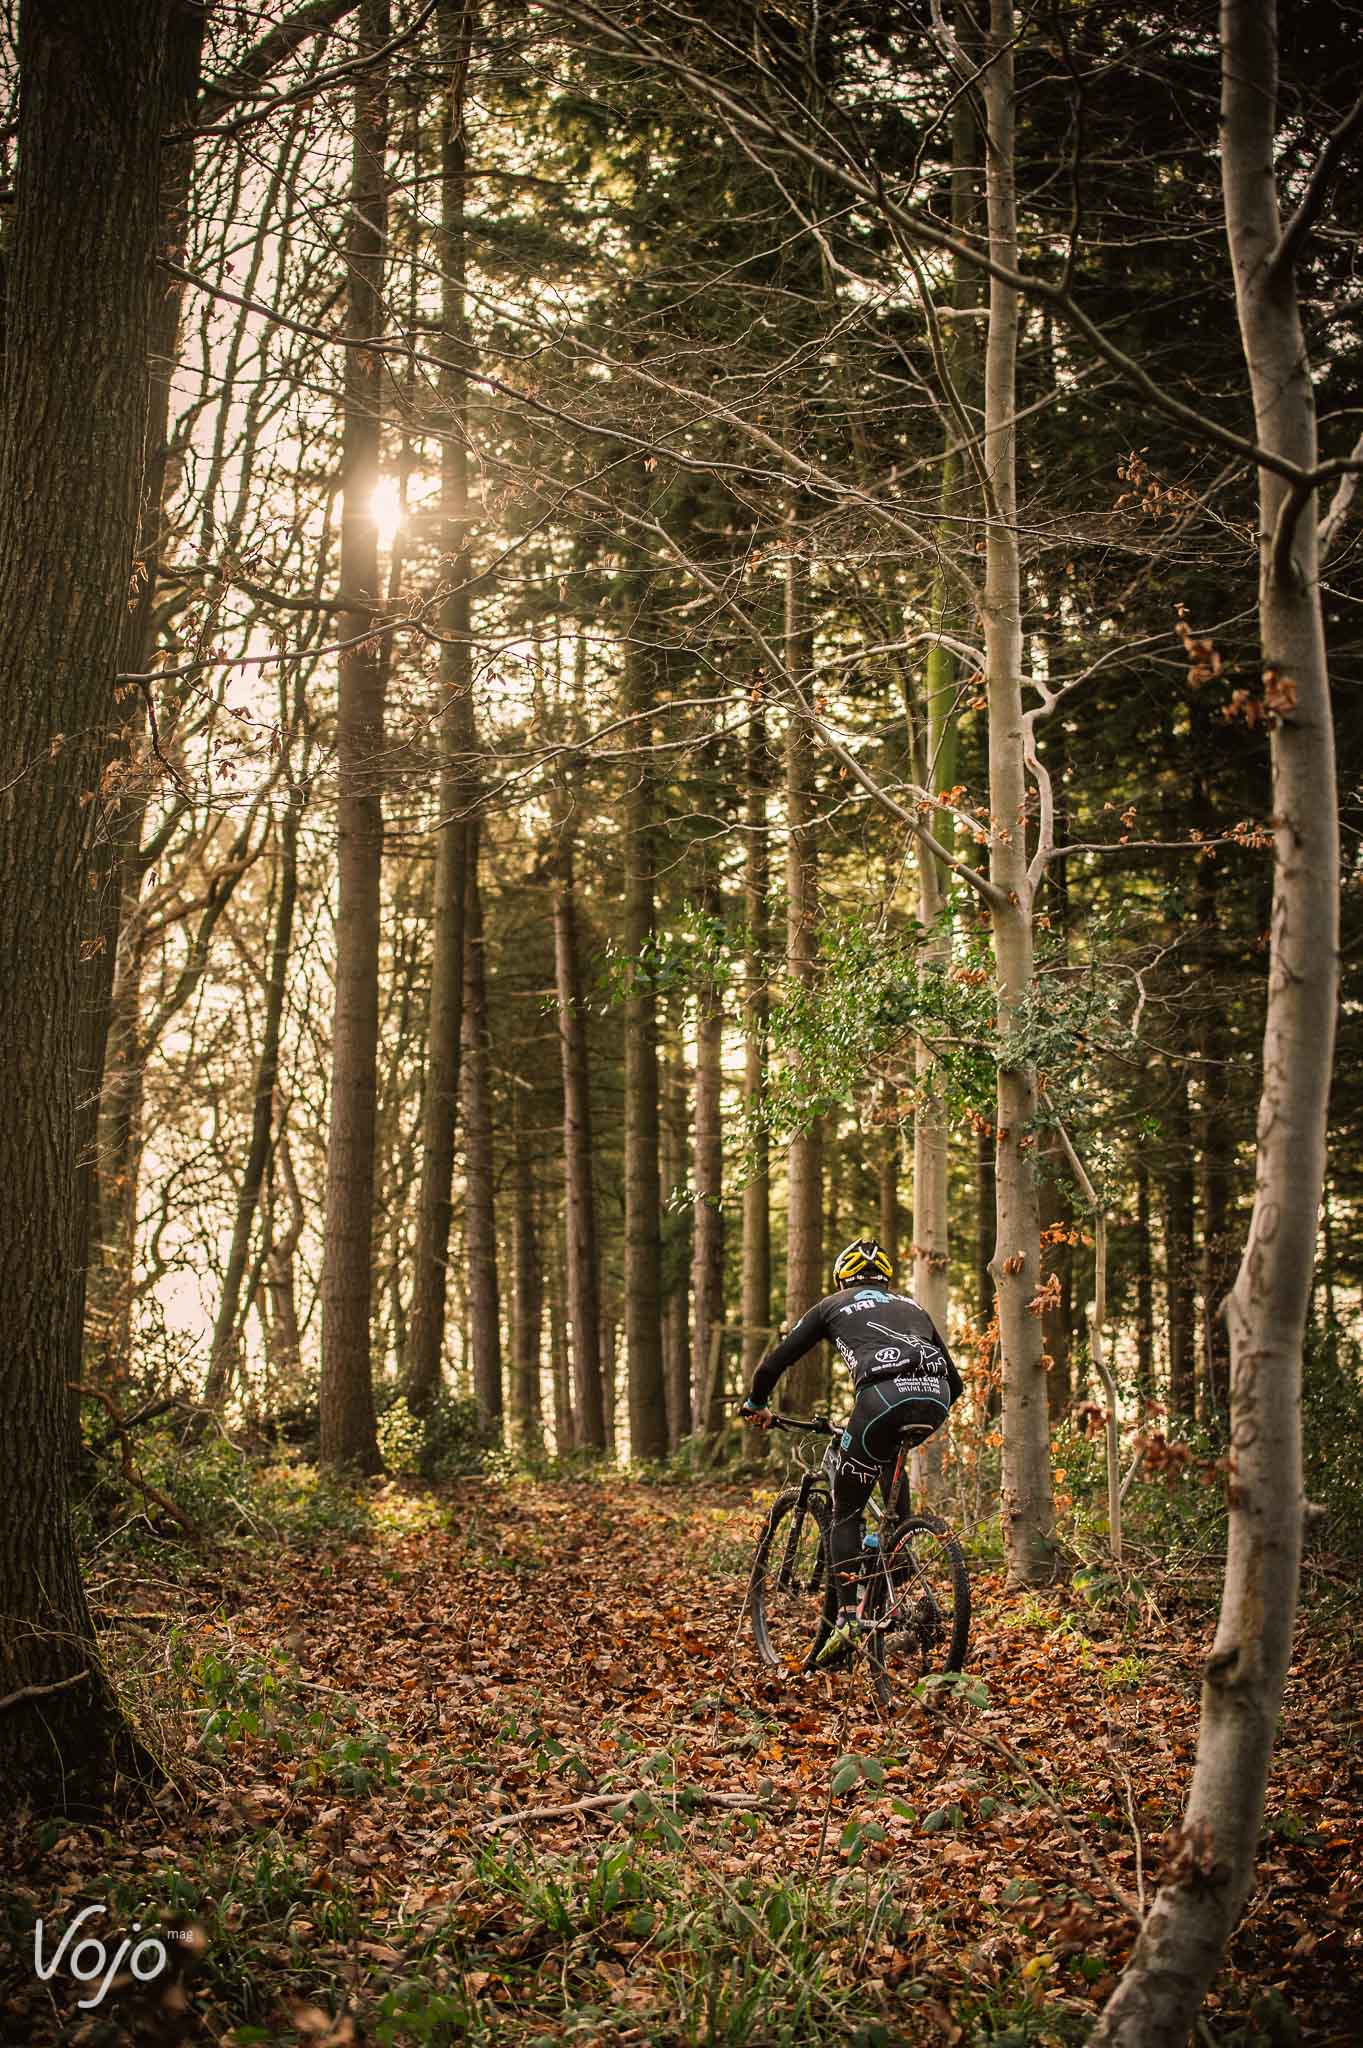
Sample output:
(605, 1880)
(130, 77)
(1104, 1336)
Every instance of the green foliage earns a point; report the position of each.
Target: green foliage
(1332, 1428)
(450, 1441)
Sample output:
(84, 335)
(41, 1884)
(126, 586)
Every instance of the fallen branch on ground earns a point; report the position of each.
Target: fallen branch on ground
(595, 1802)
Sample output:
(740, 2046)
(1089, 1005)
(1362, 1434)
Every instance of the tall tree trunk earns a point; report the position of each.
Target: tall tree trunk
(348, 1435)
(285, 1346)
(480, 1171)
(707, 1179)
(887, 1183)
(1178, 1250)
(643, 1196)
(805, 1277)
(1216, 1149)
(527, 1315)
(1185, 1933)
(673, 1169)
(1027, 1509)
(583, 1258)
(756, 1014)
(93, 106)
(116, 867)
(262, 1106)
(566, 1432)
(430, 1252)
(1145, 1288)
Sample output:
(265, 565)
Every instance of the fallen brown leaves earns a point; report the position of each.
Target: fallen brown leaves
(371, 1717)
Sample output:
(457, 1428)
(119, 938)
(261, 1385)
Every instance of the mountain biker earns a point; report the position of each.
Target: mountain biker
(904, 1382)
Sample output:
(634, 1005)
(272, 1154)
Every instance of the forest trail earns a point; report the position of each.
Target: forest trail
(373, 1713)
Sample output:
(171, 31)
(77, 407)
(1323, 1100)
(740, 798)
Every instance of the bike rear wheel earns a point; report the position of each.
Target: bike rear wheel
(790, 1593)
(919, 1603)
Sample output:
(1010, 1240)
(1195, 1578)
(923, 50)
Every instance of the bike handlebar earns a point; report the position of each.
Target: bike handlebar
(817, 1425)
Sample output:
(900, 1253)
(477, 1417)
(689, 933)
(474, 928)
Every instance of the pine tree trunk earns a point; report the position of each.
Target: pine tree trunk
(806, 1281)
(528, 1297)
(348, 1436)
(707, 1243)
(480, 1172)
(93, 106)
(756, 1012)
(430, 1252)
(1026, 1508)
(583, 1258)
(643, 1199)
(1183, 1940)
(675, 1234)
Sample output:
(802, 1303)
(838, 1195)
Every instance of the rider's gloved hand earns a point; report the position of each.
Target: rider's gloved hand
(750, 1412)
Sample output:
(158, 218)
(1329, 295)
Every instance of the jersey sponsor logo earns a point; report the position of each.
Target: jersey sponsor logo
(889, 1354)
(917, 1383)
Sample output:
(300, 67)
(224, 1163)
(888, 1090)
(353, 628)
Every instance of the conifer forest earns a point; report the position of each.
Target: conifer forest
(664, 669)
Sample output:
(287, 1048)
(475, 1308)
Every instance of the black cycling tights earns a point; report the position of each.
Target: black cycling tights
(880, 1419)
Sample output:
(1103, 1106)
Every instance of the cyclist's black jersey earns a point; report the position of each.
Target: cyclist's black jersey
(879, 1336)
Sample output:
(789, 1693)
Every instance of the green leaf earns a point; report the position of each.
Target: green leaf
(847, 1774)
(937, 1820)
(873, 1770)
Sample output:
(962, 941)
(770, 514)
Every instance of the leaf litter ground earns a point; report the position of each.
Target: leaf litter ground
(503, 1768)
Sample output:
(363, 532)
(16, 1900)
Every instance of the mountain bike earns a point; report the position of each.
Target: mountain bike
(913, 1589)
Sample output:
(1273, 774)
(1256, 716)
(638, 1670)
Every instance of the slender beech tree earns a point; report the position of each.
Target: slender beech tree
(348, 1435)
(95, 97)
(430, 1253)
(581, 1253)
(1186, 1930)
(1026, 1507)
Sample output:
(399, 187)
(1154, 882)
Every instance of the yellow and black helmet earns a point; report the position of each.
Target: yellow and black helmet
(863, 1259)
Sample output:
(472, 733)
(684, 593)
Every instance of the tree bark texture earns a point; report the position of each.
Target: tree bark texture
(643, 1193)
(582, 1254)
(430, 1252)
(1026, 1507)
(802, 1386)
(707, 1179)
(94, 103)
(1182, 1942)
(480, 1168)
(348, 1429)
(756, 1016)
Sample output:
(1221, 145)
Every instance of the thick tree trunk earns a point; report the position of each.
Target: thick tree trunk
(643, 1195)
(583, 1258)
(707, 1180)
(430, 1252)
(1185, 1934)
(347, 1397)
(480, 1172)
(1026, 1508)
(756, 1014)
(220, 1354)
(116, 867)
(80, 257)
(806, 1280)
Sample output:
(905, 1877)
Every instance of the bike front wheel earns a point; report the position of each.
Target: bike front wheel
(790, 1593)
(919, 1604)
